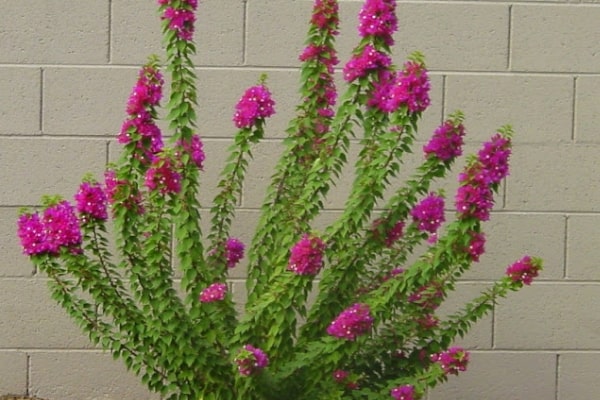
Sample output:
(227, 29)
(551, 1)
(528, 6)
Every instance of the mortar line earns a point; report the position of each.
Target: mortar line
(28, 376)
(444, 83)
(504, 193)
(41, 117)
(509, 44)
(565, 246)
(109, 49)
(493, 333)
(574, 110)
(556, 375)
(245, 33)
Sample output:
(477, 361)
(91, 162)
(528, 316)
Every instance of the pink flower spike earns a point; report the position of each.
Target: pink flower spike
(325, 15)
(251, 360)
(91, 201)
(524, 270)
(405, 392)
(306, 256)
(494, 157)
(256, 103)
(195, 149)
(161, 176)
(215, 292)
(62, 227)
(476, 246)
(428, 214)
(411, 88)
(446, 142)
(354, 321)
(32, 234)
(340, 375)
(378, 18)
(234, 252)
(368, 60)
(453, 360)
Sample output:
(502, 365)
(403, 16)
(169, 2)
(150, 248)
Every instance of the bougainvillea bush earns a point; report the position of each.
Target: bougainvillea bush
(372, 330)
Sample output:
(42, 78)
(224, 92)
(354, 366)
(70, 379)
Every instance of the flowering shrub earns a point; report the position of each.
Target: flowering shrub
(373, 330)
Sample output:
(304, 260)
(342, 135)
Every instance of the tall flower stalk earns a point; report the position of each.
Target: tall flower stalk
(370, 328)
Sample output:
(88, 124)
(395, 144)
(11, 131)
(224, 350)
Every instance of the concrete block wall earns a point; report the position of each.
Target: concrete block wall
(67, 66)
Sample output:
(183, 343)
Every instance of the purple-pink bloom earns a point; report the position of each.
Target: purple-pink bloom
(181, 21)
(251, 360)
(428, 297)
(368, 60)
(32, 234)
(474, 197)
(428, 214)
(256, 103)
(162, 176)
(354, 321)
(411, 88)
(215, 292)
(325, 15)
(494, 157)
(524, 270)
(113, 188)
(91, 201)
(394, 234)
(453, 360)
(61, 226)
(476, 246)
(147, 91)
(381, 93)
(195, 149)
(446, 142)
(340, 376)
(378, 18)
(306, 256)
(234, 252)
(405, 392)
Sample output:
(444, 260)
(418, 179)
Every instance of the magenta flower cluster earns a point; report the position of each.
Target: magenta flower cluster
(494, 158)
(145, 95)
(113, 191)
(428, 297)
(446, 142)
(215, 292)
(325, 15)
(453, 360)
(370, 59)
(234, 252)
(162, 176)
(474, 197)
(394, 234)
(251, 360)
(354, 321)
(523, 270)
(195, 149)
(256, 103)
(56, 228)
(405, 392)
(343, 378)
(391, 235)
(306, 256)
(476, 245)
(91, 202)
(181, 20)
(428, 214)
(377, 18)
(409, 88)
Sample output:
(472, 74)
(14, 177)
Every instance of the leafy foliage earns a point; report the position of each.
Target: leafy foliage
(372, 330)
